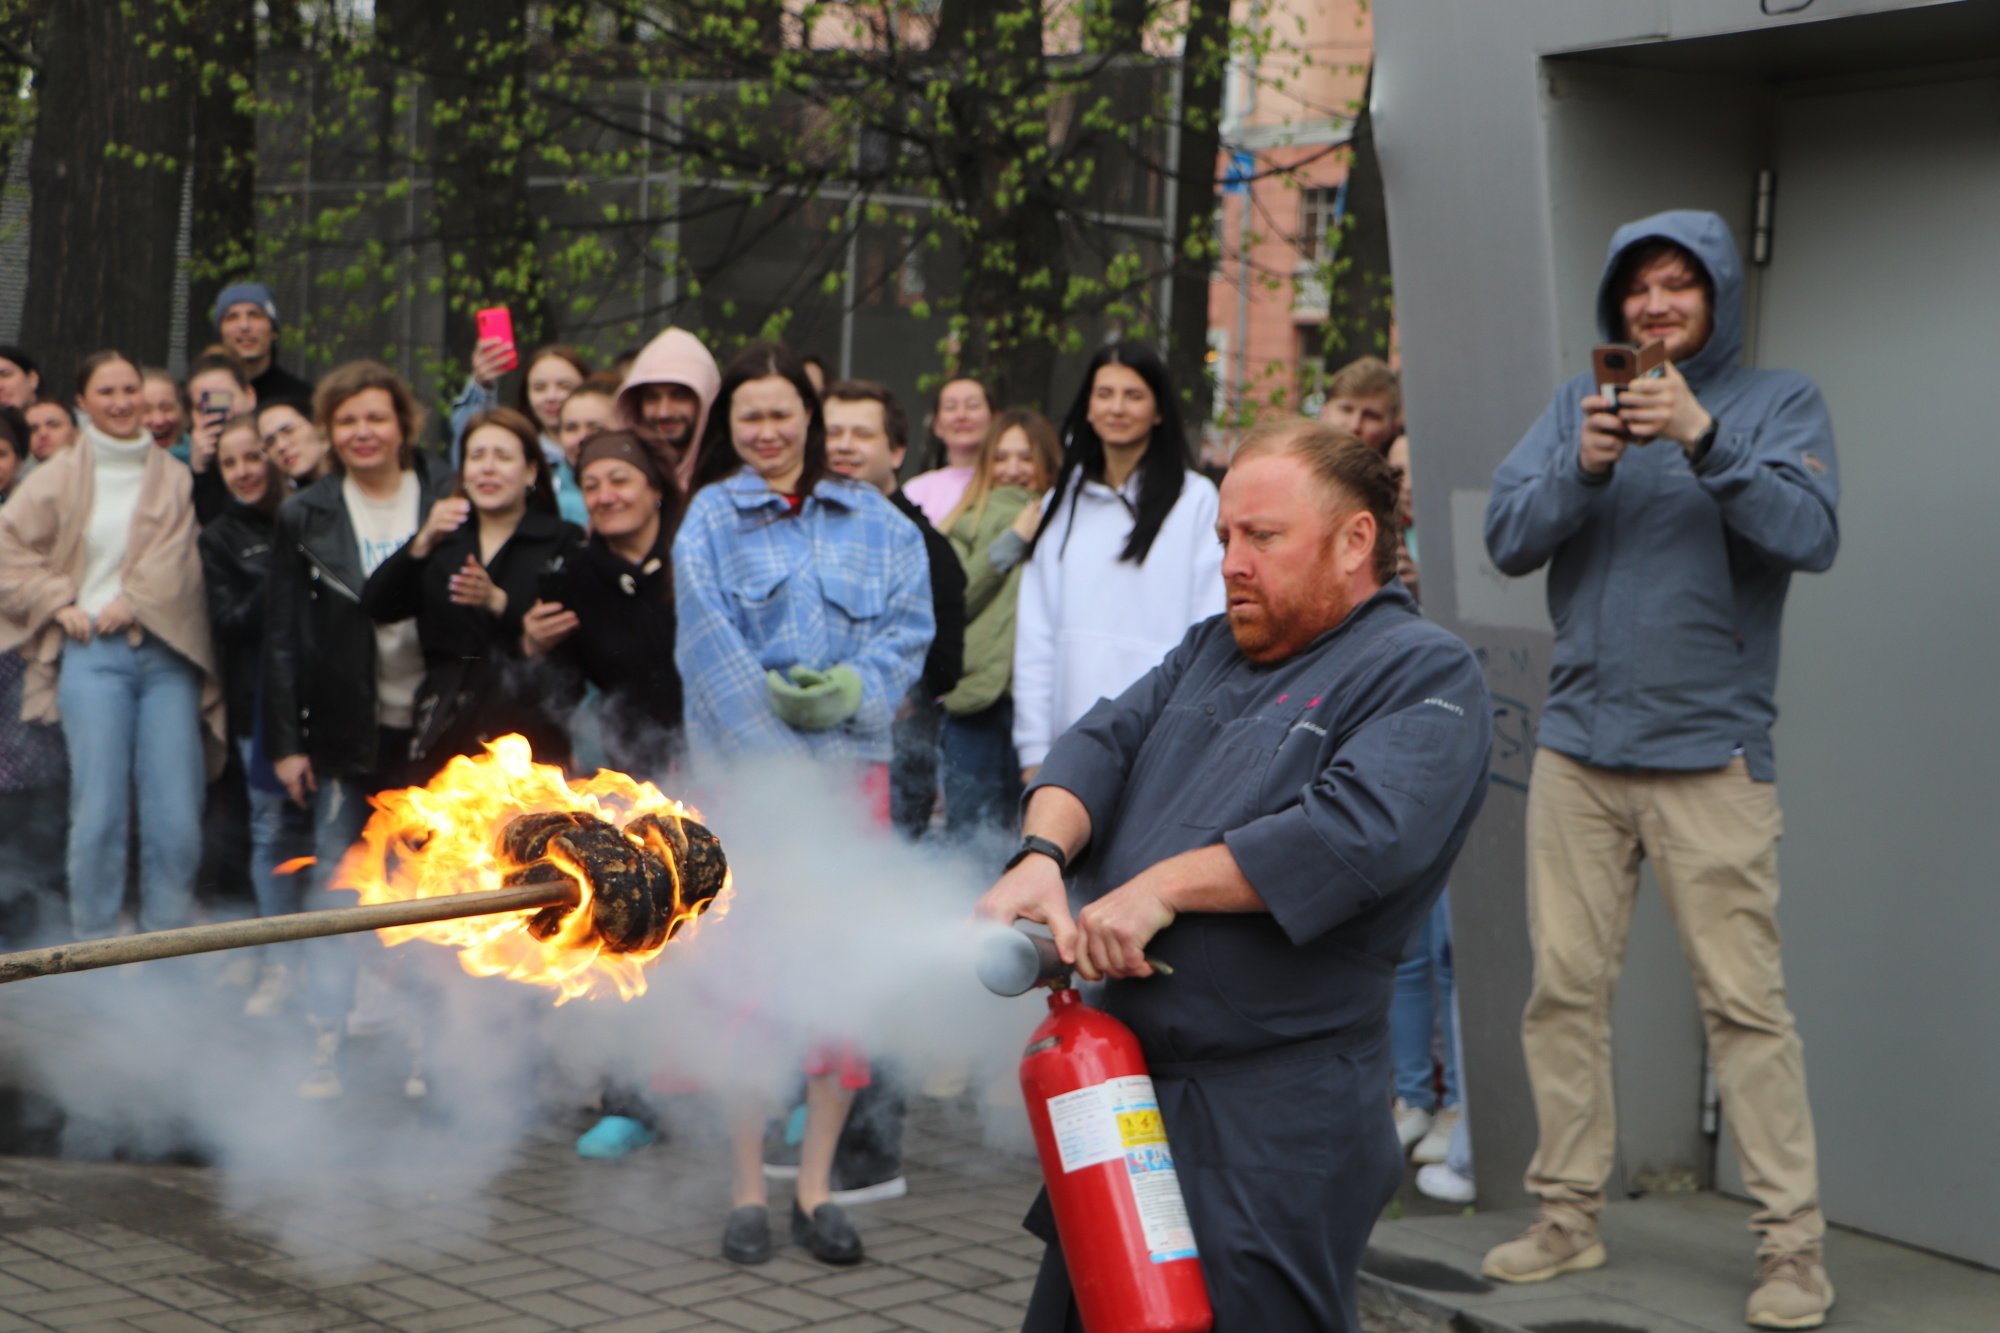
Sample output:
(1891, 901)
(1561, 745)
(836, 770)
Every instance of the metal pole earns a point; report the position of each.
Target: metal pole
(88, 954)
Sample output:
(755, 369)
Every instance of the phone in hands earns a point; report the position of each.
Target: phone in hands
(215, 405)
(1615, 365)
(496, 324)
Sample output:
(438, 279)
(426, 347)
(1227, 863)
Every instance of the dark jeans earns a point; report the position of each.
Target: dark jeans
(982, 776)
(913, 769)
(34, 830)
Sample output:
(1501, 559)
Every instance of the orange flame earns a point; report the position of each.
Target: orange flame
(444, 838)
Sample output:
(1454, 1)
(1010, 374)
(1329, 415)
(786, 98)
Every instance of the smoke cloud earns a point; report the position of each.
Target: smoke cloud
(838, 932)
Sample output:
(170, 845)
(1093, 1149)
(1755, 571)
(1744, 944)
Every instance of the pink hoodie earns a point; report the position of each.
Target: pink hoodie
(675, 357)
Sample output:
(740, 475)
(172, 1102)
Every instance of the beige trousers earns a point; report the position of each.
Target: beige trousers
(1712, 837)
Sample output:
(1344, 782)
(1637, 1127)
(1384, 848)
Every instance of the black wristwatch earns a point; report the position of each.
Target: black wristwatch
(1030, 845)
(1704, 442)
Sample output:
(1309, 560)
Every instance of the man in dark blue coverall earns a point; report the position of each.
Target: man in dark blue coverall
(1271, 812)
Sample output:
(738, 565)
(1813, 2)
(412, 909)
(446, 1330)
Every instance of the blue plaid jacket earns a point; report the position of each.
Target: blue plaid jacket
(757, 588)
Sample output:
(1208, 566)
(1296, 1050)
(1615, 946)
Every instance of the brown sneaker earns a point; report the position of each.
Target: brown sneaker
(1792, 1292)
(1556, 1243)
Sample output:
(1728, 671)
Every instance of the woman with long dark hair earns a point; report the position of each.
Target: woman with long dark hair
(101, 581)
(468, 577)
(339, 689)
(805, 612)
(1125, 558)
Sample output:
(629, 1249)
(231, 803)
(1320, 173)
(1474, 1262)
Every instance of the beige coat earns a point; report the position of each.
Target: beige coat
(42, 565)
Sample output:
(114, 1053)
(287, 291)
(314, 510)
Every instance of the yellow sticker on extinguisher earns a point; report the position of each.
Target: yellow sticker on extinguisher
(1138, 1128)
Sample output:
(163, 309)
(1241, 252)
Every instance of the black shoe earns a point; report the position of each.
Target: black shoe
(747, 1238)
(828, 1234)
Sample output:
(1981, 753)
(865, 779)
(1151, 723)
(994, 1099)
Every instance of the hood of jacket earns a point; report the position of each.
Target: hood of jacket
(675, 357)
(1708, 237)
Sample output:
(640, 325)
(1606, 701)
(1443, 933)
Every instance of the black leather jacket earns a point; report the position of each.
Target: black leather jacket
(319, 645)
(235, 555)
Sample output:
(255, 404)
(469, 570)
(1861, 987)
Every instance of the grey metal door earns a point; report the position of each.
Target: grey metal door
(1884, 286)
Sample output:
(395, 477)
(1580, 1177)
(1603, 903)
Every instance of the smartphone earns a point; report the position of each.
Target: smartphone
(497, 324)
(1617, 364)
(216, 403)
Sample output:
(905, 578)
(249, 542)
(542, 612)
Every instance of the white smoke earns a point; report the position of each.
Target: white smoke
(839, 932)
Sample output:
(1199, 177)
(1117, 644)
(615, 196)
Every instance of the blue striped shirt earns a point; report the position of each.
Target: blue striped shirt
(758, 588)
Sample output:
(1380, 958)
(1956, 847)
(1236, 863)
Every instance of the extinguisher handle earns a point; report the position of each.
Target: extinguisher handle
(1013, 962)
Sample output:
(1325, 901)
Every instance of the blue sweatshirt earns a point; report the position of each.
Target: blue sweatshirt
(1667, 580)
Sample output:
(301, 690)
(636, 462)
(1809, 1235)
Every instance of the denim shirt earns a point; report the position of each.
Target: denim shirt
(758, 588)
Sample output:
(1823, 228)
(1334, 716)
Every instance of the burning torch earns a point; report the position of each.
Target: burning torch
(592, 880)
(1103, 1147)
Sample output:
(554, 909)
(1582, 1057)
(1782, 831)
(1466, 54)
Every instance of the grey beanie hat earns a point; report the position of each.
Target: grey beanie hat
(256, 293)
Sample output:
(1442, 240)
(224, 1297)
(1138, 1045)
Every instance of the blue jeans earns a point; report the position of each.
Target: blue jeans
(279, 832)
(132, 723)
(982, 776)
(340, 811)
(1422, 1006)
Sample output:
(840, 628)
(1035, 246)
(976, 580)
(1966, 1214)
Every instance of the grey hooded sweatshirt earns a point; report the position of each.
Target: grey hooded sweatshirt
(1667, 580)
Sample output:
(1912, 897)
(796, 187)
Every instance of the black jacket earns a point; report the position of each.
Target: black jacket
(945, 662)
(235, 558)
(624, 645)
(278, 385)
(476, 685)
(319, 645)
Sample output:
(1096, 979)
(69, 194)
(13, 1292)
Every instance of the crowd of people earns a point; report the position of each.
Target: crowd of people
(236, 605)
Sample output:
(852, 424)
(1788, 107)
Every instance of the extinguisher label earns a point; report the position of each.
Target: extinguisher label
(1119, 1120)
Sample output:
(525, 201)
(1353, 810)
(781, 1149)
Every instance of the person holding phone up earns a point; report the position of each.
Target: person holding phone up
(1671, 523)
(219, 389)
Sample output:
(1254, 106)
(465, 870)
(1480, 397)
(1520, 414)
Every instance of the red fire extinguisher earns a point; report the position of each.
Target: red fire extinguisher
(1124, 1227)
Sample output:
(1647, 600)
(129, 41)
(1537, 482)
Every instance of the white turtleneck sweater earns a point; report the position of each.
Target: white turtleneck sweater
(119, 470)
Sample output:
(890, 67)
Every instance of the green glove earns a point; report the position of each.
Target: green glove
(814, 700)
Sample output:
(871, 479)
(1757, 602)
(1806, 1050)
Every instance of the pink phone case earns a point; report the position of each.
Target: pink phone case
(498, 322)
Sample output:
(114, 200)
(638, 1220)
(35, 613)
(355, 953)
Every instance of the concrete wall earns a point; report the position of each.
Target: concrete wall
(1514, 138)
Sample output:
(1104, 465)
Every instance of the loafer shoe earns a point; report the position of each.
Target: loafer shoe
(827, 1233)
(747, 1238)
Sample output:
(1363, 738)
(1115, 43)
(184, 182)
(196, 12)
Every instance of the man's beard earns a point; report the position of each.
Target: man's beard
(1266, 634)
(674, 432)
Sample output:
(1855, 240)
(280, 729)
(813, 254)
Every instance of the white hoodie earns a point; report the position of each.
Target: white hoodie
(1090, 624)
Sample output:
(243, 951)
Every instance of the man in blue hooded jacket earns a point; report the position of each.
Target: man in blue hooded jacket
(1671, 522)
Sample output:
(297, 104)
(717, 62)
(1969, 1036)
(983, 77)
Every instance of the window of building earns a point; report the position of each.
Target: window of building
(1319, 212)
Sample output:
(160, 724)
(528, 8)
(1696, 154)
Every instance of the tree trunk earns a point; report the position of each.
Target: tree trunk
(1204, 69)
(1015, 272)
(1361, 306)
(110, 143)
(224, 243)
(474, 60)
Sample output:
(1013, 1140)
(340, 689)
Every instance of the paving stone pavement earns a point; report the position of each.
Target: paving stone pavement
(553, 1242)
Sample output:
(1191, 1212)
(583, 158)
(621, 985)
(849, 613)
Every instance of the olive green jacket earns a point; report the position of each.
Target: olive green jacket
(990, 597)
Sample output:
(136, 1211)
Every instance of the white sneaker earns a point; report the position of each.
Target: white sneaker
(275, 985)
(1433, 1146)
(323, 1083)
(893, 1188)
(1440, 1182)
(237, 974)
(1411, 1124)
